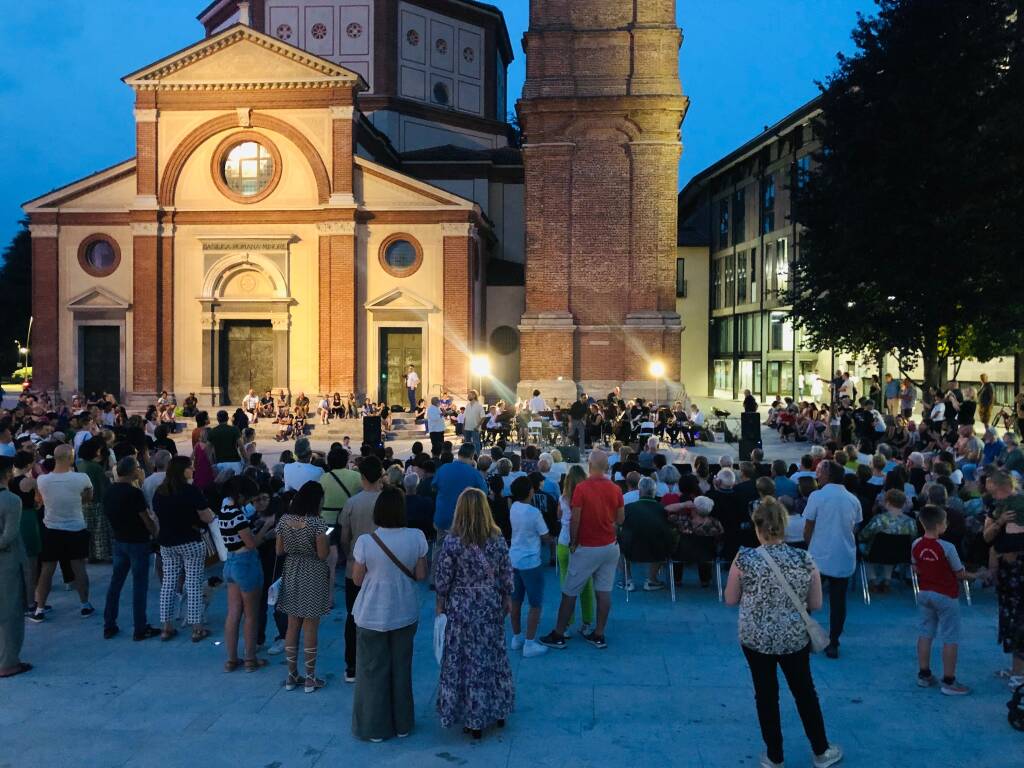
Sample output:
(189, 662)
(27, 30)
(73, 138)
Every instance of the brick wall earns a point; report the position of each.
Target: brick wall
(342, 165)
(458, 285)
(165, 317)
(146, 159)
(338, 341)
(45, 304)
(146, 330)
(546, 354)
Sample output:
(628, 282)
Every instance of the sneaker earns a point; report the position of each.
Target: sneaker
(517, 642)
(146, 634)
(350, 675)
(553, 640)
(926, 681)
(36, 617)
(533, 648)
(954, 688)
(109, 632)
(830, 756)
(596, 640)
(653, 586)
(626, 585)
(1015, 681)
(87, 610)
(277, 648)
(767, 763)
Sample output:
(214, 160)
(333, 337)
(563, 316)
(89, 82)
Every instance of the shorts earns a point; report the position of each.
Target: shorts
(939, 617)
(64, 545)
(244, 569)
(528, 582)
(597, 563)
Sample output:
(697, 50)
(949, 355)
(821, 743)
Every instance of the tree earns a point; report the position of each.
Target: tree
(913, 215)
(16, 293)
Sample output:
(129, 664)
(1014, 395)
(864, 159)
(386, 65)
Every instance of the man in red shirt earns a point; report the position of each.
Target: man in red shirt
(597, 508)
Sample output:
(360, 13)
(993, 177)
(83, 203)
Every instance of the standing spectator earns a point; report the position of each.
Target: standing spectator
(151, 483)
(472, 419)
(986, 399)
(340, 484)
(830, 517)
(65, 536)
(892, 395)
(449, 482)
(588, 607)
(228, 449)
(133, 529)
(388, 563)
(1004, 531)
(23, 485)
(773, 634)
(356, 518)
(578, 414)
(474, 586)
(528, 530)
(908, 398)
(301, 471)
(12, 575)
(92, 459)
(435, 427)
(181, 510)
(412, 383)
(597, 508)
(305, 590)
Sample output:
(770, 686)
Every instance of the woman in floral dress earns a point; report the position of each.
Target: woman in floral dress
(474, 585)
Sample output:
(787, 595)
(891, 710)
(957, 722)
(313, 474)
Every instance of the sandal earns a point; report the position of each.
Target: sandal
(198, 635)
(231, 665)
(168, 635)
(251, 665)
(21, 669)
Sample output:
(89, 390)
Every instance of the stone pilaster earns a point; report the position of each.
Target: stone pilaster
(338, 341)
(45, 341)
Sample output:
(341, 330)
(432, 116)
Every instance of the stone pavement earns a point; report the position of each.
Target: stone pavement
(671, 690)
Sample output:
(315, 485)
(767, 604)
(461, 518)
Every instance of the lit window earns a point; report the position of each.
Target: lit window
(248, 168)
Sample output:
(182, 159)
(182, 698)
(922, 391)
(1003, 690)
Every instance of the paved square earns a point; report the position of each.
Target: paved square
(671, 690)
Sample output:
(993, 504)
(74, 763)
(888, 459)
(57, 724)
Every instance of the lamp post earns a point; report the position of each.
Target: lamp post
(480, 367)
(657, 371)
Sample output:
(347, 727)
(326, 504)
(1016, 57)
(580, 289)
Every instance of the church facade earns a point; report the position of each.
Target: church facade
(324, 193)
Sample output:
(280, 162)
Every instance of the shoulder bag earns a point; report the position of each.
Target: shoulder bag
(819, 638)
(392, 557)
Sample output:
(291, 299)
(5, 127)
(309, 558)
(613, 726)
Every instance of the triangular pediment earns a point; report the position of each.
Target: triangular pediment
(382, 187)
(402, 300)
(238, 57)
(96, 299)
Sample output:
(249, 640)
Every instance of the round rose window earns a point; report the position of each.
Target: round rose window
(248, 168)
(442, 46)
(319, 31)
(467, 54)
(413, 37)
(355, 29)
(284, 31)
(400, 255)
(100, 256)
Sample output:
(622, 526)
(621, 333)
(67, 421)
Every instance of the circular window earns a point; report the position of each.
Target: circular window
(401, 255)
(504, 340)
(355, 29)
(246, 167)
(413, 37)
(467, 54)
(284, 31)
(99, 255)
(318, 31)
(441, 45)
(441, 95)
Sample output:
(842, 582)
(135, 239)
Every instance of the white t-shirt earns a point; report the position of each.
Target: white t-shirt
(388, 598)
(250, 403)
(435, 421)
(537, 404)
(149, 486)
(473, 416)
(630, 496)
(62, 500)
(566, 520)
(527, 528)
(795, 477)
(508, 480)
(835, 511)
(412, 380)
(80, 437)
(297, 474)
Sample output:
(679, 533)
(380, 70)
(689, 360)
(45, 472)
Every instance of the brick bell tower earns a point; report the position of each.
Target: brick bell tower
(601, 112)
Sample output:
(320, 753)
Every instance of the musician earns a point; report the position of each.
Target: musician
(578, 425)
(412, 383)
(536, 403)
(595, 423)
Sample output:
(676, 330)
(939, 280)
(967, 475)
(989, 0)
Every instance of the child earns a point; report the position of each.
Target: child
(528, 529)
(893, 521)
(939, 572)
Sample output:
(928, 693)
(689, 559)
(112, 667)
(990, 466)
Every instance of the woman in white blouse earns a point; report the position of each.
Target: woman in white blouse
(388, 563)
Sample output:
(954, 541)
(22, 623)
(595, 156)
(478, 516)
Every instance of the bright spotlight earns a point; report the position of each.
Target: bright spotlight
(657, 369)
(480, 365)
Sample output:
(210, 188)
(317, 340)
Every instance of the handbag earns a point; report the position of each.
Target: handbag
(393, 558)
(440, 626)
(819, 638)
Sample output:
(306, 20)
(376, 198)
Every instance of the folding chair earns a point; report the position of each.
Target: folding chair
(535, 431)
(694, 550)
(887, 549)
(646, 431)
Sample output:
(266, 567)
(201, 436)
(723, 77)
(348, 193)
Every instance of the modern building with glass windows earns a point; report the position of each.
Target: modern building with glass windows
(740, 207)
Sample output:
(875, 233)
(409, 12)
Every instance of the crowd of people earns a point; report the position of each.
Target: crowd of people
(481, 526)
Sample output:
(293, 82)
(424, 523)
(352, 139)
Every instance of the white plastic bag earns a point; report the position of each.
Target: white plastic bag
(440, 626)
(218, 540)
(273, 592)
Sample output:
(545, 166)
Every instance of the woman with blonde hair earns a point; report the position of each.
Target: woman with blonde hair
(474, 587)
(588, 604)
(767, 582)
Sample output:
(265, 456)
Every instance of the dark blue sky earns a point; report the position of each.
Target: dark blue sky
(65, 112)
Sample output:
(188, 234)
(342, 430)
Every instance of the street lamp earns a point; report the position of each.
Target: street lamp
(657, 371)
(480, 366)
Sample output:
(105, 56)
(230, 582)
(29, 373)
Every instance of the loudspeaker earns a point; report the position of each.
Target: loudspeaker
(570, 454)
(746, 446)
(372, 435)
(750, 426)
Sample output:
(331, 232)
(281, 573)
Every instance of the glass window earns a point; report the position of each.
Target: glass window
(716, 284)
(803, 171)
(681, 278)
(780, 332)
(770, 283)
(100, 256)
(400, 255)
(721, 332)
(782, 266)
(753, 275)
(767, 204)
(248, 168)
(741, 277)
(730, 281)
(739, 216)
(723, 223)
(723, 375)
(749, 332)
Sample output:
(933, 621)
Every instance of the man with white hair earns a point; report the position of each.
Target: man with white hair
(1014, 459)
(646, 458)
(645, 534)
(597, 508)
(731, 511)
(301, 471)
(160, 461)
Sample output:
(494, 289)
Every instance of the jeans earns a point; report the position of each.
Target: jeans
(836, 606)
(472, 436)
(797, 669)
(134, 558)
(579, 433)
(351, 593)
(412, 398)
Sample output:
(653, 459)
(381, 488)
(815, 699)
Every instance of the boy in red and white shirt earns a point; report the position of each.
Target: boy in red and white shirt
(939, 572)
